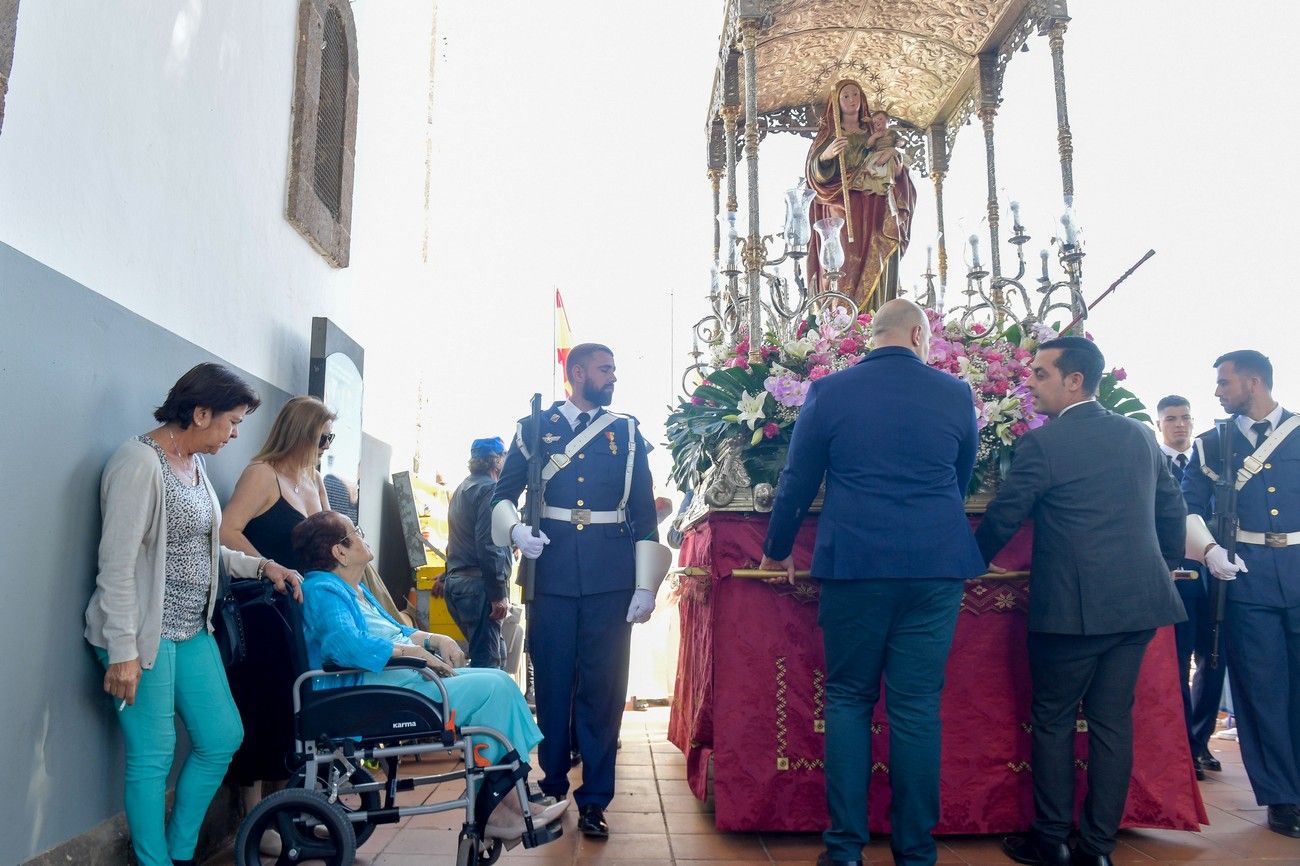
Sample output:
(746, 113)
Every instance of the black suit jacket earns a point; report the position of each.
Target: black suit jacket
(1109, 524)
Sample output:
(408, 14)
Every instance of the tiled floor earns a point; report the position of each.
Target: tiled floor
(655, 820)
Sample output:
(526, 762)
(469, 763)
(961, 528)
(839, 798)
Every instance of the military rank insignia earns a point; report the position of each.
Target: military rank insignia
(613, 448)
(555, 418)
(551, 438)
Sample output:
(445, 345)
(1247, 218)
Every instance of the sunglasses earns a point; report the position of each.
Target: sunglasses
(326, 440)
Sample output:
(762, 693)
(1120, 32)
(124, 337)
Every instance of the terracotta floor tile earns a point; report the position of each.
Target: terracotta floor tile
(718, 846)
(624, 846)
(636, 822)
(631, 801)
(689, 822)
(1175, 845)
(684, 802)
(634, 771)
(792, 846)
(414, 840)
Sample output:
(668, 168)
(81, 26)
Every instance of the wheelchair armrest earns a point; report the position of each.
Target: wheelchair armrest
(407, 662)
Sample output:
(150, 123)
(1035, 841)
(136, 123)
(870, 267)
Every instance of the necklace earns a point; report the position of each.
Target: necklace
(297, 480)
(176, 449)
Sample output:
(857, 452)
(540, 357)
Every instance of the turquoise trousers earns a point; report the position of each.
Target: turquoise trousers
(188, 678)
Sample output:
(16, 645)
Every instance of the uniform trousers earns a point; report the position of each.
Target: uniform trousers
(187, 679)
(1101, 671)
(1203, 691)
(1264, 653)
(901, 629)
(579, 647)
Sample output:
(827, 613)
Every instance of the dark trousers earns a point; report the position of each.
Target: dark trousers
(467, 601)
(1264, 652)
(1101, 671)
(902, 629)
(1194, 640)
(579, 648)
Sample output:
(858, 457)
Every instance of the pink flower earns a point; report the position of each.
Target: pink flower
(818, 371)
(770, 431)
(739, 361)
(769, 352)
(994, 356)
(978, 328)
(802, 329)
(819, 358)
(849, 346)
(742, 348)
(1119, 373)
(697, 401)
(1020, 428)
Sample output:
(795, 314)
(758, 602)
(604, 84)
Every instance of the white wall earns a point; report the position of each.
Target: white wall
(144, 154)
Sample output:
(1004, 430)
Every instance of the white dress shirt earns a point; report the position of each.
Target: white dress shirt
(1244, 423)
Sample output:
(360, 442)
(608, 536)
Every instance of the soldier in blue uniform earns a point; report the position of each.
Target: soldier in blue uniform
(599, 565)
(1193, 637)
(1262, 621)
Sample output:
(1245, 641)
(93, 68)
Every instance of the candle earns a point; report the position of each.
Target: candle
(1067, 220)
(975, 252)
(1043, 255)
(1015, 213)
(929, 251)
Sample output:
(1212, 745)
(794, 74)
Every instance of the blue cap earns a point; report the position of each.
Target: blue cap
(484, 447)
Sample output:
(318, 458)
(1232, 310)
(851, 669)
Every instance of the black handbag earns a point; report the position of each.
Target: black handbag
(227, 624)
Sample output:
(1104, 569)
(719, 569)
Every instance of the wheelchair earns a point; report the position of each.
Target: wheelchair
(332, 804)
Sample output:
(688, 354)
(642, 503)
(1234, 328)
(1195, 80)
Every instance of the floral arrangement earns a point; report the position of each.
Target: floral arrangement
(755, 405)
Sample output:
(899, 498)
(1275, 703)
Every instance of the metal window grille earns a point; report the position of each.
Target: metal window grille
(331, 115)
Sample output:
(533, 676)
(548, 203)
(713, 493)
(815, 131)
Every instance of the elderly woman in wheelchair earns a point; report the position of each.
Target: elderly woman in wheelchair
(371, 690)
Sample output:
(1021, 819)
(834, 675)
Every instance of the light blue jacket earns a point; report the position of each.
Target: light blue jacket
(334, 628)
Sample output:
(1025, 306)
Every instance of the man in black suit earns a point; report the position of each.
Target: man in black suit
(1109, 525)
(1195, 636)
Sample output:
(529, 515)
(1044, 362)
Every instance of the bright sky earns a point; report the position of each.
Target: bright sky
(570, 154)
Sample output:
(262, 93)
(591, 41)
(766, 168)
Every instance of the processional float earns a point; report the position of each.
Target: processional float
(784, 309)
(929, 66)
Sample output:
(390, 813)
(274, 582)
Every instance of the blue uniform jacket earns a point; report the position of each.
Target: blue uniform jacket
(598, 557)
(896, 442)
(335, 630)
(1270, 502)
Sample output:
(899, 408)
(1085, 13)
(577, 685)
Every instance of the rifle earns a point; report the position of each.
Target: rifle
(533, 503)
(1225, 529)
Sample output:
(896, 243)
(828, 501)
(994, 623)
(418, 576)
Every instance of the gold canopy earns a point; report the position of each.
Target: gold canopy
(917, 59)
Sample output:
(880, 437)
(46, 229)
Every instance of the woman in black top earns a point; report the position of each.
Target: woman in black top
(280, 488)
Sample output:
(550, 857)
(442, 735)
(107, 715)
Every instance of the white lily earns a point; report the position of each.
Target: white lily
(799, 348)
(751, 408)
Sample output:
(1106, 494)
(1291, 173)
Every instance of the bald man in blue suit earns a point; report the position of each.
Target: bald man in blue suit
(895, 441)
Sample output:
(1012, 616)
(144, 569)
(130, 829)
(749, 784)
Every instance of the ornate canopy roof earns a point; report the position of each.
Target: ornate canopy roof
(917, 59)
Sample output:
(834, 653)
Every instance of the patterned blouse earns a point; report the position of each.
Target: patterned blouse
(189, 552)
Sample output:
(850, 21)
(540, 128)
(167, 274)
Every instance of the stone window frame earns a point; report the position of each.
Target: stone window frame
(8, 36)
(328, 234)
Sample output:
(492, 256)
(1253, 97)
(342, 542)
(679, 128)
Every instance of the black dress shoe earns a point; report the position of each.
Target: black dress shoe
(1026, 848)
(1083, 858)
(1200, 774)
(1285, 819)
(1207, 762)
(825, 859)
(575, 758)
(591, 822)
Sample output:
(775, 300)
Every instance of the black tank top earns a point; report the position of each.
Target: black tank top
(270, 532)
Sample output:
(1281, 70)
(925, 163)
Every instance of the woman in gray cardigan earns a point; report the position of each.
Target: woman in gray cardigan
(150, 616)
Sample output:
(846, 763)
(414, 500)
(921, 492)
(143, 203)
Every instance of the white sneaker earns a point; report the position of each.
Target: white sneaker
(1226, 734)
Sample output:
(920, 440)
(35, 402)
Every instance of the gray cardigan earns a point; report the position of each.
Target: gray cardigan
(124, 616)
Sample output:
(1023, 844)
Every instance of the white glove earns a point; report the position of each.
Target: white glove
(1222, 567)
(529, 545)
(643, 604)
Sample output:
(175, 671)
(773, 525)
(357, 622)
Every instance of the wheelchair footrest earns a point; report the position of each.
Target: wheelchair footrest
(542, 835)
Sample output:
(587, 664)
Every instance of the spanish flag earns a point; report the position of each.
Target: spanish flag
(563, 342)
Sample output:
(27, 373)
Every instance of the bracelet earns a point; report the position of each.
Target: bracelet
(261, 569)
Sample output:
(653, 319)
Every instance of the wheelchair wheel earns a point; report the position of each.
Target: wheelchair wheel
(473, 851)
(365, 802)
(310, 828)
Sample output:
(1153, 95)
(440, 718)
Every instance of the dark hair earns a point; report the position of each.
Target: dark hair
(485, 464)
(1250, 362)
(210, 385)
(579, 354)
(1172, 400)
(1078, 355)
(314, 540)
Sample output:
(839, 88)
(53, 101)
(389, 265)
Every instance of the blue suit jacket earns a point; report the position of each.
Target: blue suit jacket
(1270, 502)
(596, 558)
(895, 441)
